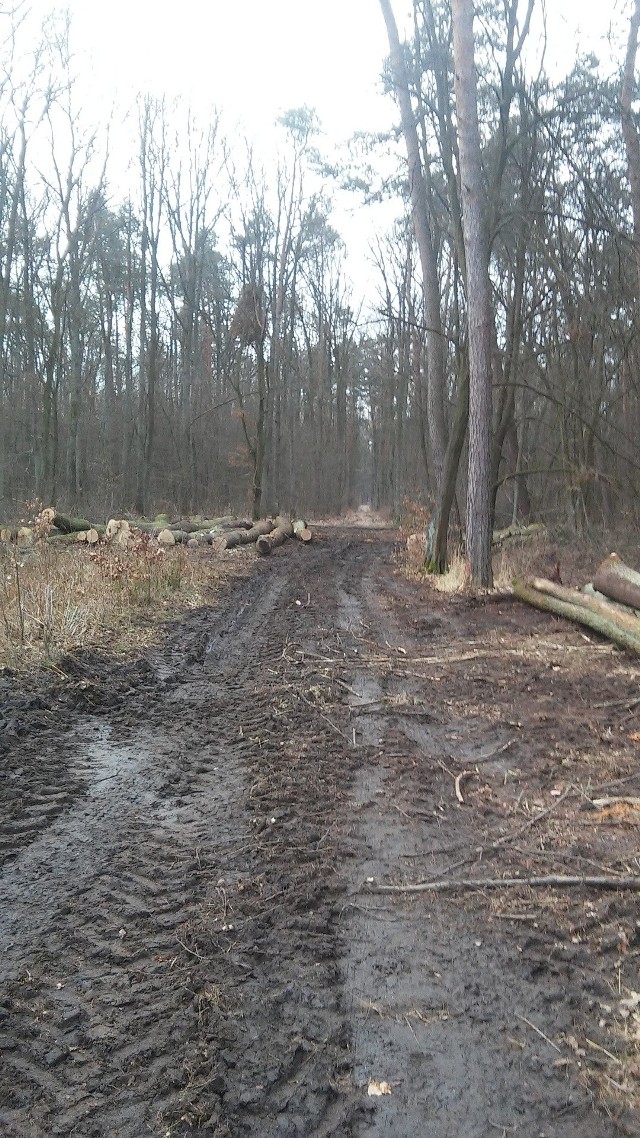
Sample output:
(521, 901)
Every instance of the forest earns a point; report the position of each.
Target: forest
(186, 338)
(319, 677)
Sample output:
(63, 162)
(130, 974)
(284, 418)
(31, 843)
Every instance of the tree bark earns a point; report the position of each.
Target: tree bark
(437, 545)
(476, 245)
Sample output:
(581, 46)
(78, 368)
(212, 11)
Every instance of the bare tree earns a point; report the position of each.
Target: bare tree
(630, 131)
(420, 212)
(479, 319)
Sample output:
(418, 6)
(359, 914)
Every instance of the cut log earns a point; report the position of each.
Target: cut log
(190, 525)
(618, 581)
(25, 536)
(88, 536)
(278, 536)
(118, 532)
(154, 528)
(572, 604)
(591, 592)
(183, 525)
(247, 536)
(301, 530)
(609, 610)
(536, 529)
(66, 524)
(63, 538)
(232, 523)
(166, 537)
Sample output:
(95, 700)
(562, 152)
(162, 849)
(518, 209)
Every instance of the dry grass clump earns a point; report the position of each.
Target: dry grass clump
(612, 1073)
(55, 599)
(457, 578)
(518, 557)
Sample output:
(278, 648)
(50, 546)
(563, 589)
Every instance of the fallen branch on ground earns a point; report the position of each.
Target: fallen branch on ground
(627, 883)
(458, 781)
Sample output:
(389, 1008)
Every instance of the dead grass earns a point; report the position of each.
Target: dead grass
(55, 600)
(536, 556)
(457, 579)
(612, 1073)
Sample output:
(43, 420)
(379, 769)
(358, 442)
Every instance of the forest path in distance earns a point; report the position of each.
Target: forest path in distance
(191, 940)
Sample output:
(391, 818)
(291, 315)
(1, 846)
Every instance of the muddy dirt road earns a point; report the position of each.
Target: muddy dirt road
(192, 938)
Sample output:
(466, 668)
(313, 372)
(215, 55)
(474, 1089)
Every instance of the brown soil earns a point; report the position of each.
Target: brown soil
(193, 943)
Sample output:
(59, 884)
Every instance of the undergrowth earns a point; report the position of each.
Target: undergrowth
(54, 600)
(534, 556)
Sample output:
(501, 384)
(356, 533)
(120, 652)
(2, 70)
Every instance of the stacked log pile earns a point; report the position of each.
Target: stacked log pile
(610, 605)
(221, 533)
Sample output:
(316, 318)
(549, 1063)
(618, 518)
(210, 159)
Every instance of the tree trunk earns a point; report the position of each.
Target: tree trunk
(476, 244)
(435, 345)
(630, 131)
(436, 561)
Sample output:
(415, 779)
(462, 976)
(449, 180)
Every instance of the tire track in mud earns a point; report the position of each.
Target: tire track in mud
(189, 949)
(30, 725)
(432, 993)
(171, 961)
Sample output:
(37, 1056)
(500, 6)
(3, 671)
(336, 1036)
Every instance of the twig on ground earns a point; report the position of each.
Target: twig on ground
(540, 1033)
(516, 916)
(332, 725)
(532, 821)
(627, 704)
(553, 881)
(597, 1047)
(458, 780)
(614, 782)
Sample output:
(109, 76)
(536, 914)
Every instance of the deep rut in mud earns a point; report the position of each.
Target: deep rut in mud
(188, 943)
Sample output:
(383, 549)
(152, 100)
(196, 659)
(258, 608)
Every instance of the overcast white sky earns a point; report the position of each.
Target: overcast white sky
(252, 58)
(256, 58)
